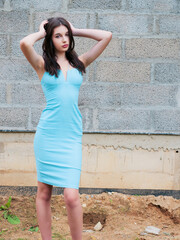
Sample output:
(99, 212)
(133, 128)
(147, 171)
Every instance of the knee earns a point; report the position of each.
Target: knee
(44, 195)
(71, 200)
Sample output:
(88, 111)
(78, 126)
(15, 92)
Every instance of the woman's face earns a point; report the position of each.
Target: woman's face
(60, 38)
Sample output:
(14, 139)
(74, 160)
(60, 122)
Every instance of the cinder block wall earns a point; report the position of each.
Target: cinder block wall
(133, 87)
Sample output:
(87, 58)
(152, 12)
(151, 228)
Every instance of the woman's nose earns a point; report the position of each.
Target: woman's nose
(64, 38)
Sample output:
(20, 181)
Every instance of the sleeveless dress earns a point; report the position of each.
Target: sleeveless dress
(58, 138)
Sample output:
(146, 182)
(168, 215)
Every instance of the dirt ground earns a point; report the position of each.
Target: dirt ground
(122, 216)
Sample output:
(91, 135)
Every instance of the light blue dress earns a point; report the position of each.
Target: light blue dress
(58, 138)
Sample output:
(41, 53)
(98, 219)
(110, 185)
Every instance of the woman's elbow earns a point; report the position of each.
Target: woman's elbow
(23, 43)
(110, 35)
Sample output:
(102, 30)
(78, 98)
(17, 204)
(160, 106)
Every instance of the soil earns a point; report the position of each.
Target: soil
(122, 217)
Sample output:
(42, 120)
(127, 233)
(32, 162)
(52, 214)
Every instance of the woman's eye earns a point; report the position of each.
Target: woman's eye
(57, 36)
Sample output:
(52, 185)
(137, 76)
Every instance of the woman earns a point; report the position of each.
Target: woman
(58, 139)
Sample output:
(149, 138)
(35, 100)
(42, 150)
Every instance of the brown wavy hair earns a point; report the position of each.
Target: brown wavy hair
(49, 55)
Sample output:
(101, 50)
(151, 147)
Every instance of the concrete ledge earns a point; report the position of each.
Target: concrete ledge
(109, 161)
(31, 190)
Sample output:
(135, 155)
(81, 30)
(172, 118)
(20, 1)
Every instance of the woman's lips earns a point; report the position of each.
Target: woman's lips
(65, 46)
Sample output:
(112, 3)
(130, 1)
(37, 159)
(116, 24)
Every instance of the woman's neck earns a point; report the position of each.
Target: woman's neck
(61, 56)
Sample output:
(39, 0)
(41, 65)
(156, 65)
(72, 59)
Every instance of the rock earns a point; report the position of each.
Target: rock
(98, 226)
(84, 205)
(87, 197)
(92, 196)
(110, 193)
(88, 230)
(152, 230)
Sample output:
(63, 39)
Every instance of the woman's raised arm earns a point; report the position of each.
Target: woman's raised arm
(26, 45)
(103, 37)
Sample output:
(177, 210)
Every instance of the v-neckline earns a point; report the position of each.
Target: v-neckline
(65, 79)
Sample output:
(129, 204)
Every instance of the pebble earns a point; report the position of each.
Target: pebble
(87, 197)
(152, 230)
(84, 205)
(98, 226)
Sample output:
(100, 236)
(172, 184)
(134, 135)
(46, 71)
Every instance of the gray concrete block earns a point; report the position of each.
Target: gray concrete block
(27, 94)
(90, 72)
(35, 115)
(14, 21)
(2, 3)
(152, 48)
(124, 72)
(125, 24)
(169, 24)
(167, 73)
(3, 93)
(79, 20)
(113, 49)
(15, 45)
(14, 117)
(93, 4)
(17, 70)
(38, 46)
(38, 17)
(40, 4)
(3, 45)
(166, 120)
(148, 95)
(82, 45)
(92, 19)
(87, 118)
(99, 95)
(152, 5)
(122, 120)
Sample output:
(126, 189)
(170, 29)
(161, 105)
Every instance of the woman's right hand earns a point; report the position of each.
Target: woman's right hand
(41, 27)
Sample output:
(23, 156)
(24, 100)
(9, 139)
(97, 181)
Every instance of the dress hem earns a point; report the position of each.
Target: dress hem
(56, 185)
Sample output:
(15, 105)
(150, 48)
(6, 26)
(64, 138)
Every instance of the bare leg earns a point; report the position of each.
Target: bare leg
(43, 208)
(74, 211)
